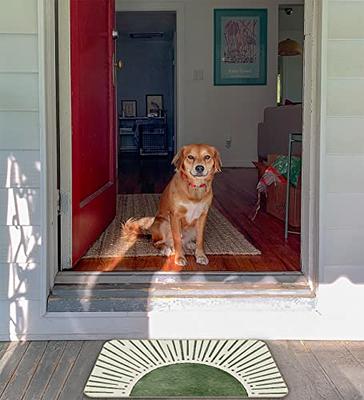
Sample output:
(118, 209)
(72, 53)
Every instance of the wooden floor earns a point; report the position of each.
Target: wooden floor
(234, 196)
(58, 370)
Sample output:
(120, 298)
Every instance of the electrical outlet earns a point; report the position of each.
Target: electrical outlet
(228, 142)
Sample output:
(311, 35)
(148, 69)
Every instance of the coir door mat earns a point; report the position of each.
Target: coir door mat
(221, 237)
(185, 368)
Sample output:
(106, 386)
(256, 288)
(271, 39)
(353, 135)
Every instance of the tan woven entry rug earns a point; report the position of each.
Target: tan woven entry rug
(221, 237)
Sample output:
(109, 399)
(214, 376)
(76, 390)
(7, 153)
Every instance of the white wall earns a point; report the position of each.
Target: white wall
(213, 113)
(19, 162)
(292, 27)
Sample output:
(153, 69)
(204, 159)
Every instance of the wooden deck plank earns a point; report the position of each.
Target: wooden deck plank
(357, 350)
(44, 371)
(345, 372)
(304, 377)
(59, 370)
(3, 347)
(62, 370)
(73, 388)
(23, 374)
(9, 362)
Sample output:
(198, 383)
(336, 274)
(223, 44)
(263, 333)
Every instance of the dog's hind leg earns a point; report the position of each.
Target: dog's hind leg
(162, 238)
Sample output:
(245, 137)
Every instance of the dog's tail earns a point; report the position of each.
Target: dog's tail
(133, 227)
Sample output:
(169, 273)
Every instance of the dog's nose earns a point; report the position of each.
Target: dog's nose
(199, 168)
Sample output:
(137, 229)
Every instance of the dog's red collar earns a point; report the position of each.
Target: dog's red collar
(203, 185)
(192, 185)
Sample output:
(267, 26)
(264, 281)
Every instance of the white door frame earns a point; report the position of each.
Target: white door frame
(311, 118)
(65, 134)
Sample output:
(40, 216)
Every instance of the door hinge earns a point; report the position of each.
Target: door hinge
(115, 34)
(66, 264)
(62, 202)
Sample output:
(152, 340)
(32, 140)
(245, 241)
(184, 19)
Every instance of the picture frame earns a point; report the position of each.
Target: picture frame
(240, 46)
(154, 105)
(129, 108)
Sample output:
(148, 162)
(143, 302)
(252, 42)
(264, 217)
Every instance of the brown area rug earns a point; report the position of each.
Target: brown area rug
(221, 237)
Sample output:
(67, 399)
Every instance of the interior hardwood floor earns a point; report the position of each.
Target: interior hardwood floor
(234, 196)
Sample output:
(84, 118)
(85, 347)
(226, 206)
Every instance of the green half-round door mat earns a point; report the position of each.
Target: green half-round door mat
(185, 368)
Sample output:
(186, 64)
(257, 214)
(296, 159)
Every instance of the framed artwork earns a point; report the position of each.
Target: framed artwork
(154, 103)
(240, 56)
(129, 108)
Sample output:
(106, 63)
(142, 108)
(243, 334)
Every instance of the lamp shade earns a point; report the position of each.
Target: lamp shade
(289, 47)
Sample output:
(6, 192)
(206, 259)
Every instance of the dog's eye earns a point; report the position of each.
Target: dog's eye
(190, 157)
(207, 157)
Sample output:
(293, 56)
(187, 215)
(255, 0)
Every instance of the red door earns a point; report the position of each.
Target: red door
(93, 121)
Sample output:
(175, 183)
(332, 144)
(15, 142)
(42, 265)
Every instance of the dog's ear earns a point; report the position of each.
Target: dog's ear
(178, 158)
(217, 161)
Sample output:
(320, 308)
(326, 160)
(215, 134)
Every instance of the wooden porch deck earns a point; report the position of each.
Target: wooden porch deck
(58, 370)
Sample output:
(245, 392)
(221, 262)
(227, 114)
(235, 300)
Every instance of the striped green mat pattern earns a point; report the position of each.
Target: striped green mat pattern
(185, 368)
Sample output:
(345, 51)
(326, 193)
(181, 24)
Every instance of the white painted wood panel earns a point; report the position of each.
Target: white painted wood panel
(20, 244)
(18, 91)
(344, 174)
(19, 280)
(355, 273)
(341, 62)
(19, 130)
(19, 53)
(345, 19)
(344, 247)
(18, 16)
(20, 206)
(345, 210)
(345, 97)
(19, 169)
(345, 135)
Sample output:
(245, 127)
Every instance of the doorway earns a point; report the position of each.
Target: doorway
(146, 99)
(148, 174)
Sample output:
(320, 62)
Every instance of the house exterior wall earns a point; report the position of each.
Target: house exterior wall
(343, 143)
(337, 312)
(19, 159)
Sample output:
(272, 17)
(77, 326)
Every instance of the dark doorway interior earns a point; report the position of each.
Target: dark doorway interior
(146, 83)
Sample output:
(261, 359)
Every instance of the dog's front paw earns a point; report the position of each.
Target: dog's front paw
(202, 259)
(181, 260)
(166, 251)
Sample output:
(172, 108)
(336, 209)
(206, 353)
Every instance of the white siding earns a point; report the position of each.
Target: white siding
(343, 182)
(21, 280)
(19, 168)
(18, 16)
(19, 91)
(19, 53)
(19, 161)
(19, 130)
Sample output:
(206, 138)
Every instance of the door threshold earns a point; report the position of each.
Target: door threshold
(296, 278)
(136, 292)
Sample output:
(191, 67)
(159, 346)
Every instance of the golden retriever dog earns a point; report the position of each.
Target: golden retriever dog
(180, 222)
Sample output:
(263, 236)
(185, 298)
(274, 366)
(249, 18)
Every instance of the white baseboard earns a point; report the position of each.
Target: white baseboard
(237, 164)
